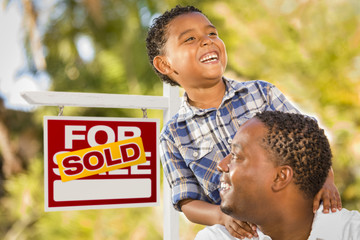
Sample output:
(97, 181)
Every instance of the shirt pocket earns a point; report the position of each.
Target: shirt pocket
(199, 157)
(195, 152)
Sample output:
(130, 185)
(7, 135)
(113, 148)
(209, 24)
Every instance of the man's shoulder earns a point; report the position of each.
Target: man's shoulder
(344, 224)
(350, 220)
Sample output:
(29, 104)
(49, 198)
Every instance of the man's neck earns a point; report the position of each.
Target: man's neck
(290, 225)
(207, 97)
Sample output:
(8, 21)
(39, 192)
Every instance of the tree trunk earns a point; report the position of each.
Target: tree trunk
(11, 163)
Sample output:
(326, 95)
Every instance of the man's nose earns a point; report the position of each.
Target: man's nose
(223, 165)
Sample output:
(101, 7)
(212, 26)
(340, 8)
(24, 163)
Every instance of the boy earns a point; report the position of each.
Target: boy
(185, 50)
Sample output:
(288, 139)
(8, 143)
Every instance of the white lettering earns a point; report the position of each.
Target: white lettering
(136, 171)
(56, 170)
(70, 136)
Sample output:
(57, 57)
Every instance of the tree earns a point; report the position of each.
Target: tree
(308, 49)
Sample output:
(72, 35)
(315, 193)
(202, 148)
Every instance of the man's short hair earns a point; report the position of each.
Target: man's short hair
(157, 36)
(297, 141)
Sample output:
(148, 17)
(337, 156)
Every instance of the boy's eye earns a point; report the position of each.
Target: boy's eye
(189, 39)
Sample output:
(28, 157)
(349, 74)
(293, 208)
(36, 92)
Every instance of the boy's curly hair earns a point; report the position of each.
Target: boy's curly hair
(297, 141)
(157, 36)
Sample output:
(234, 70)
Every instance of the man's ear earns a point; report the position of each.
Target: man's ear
(284, 176)
(162, 65)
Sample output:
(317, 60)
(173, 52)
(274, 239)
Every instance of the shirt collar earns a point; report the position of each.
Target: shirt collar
(187, 111)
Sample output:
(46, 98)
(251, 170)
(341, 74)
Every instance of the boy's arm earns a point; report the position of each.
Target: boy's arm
(204, 213)
(329, 195)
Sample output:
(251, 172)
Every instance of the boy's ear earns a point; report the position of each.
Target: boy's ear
(284, 176)
(162, 65)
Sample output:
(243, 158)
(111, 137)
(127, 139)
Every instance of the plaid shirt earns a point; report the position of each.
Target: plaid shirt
(195, 140)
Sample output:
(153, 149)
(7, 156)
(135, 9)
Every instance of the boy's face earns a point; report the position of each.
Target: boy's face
(194, 52)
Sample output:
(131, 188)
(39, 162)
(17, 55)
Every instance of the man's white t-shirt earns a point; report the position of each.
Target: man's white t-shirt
(340, 225)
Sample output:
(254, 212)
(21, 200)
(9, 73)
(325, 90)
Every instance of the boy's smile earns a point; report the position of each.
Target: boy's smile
(194, 52)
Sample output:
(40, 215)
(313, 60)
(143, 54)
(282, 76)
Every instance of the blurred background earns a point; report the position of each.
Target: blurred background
(309, 49)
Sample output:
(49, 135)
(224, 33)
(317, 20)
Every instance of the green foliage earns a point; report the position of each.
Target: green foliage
(309, 49)
(22, 205)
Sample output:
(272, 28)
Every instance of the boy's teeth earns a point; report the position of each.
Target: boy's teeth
(209, 58)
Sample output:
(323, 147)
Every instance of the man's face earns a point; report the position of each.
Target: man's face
(247, 174)
(194, 50)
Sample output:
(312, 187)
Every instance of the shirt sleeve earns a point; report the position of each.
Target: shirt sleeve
(181, 179)
(277, 100)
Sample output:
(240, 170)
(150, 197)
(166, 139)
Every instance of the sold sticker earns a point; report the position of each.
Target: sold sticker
(100, 159)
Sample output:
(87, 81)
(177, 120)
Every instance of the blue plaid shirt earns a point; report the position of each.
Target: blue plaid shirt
(195, 140)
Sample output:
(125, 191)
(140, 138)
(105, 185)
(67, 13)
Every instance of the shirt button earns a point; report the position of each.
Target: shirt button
(195, 154)
(229, 140)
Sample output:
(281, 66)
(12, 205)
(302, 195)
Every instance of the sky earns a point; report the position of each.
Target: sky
(15, 77)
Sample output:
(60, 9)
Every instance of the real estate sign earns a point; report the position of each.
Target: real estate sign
(93, 163)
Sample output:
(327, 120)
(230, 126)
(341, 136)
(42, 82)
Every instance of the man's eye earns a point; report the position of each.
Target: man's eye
(189, 39)
(233, 157)
(213, 34)
(237, 157)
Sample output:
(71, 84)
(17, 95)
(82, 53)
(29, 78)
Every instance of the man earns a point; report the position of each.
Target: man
(279, 161)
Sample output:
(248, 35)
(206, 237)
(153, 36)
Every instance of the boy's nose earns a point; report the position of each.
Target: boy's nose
(223, 165)
(206, 41)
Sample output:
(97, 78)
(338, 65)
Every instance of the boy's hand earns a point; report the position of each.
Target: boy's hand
(329, 195)
(240, 229)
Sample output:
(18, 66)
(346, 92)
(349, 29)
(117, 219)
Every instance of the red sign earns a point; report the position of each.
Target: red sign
(87, 144)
